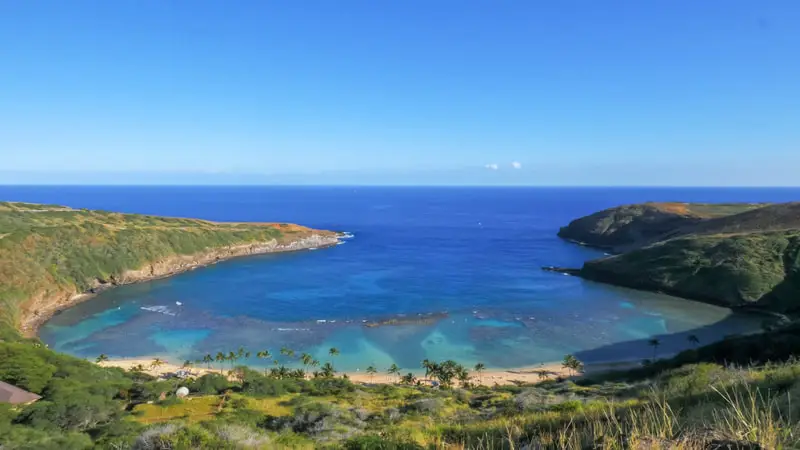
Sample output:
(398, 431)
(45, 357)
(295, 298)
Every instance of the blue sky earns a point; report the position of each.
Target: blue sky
(659, 92)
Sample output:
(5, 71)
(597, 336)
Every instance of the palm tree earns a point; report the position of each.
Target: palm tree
(102, 358)
(693, 339)
(371, 370)
(463, 375)
(542, 374)
(654, 343)
(264, 354)
(480, 367)
(187, 364)
(137, 368)
(394, 370)
(327, 370)
(576, 365)
(314, 363)
(207, 359)
(427, 365)
(568, 363)
(240, 353)
(232, 357)
(156, 363)
(333, 351)
(220, 358)
(306, 360)
(408, 378)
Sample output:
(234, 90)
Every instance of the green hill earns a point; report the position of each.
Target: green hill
(52, 254)
(630, 226)
(750, 258)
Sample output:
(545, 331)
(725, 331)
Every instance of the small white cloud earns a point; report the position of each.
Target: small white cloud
(492, 166)
(516, 165)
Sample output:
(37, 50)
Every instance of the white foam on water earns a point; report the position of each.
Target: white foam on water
(158, 309)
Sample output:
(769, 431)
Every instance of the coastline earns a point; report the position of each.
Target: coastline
(41, 307)
(489, 377)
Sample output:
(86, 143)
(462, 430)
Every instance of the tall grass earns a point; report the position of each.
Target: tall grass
(738, 409)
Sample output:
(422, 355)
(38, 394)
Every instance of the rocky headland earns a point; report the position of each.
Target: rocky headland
(54, 257)
(734, 255)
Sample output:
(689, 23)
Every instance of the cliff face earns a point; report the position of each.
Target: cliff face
(54, 257)
(746, 259)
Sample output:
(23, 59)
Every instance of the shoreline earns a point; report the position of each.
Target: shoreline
(45, 306)
(488, 377)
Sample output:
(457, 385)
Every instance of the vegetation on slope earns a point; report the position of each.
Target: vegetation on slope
(760, 269)
(751, 258)
(687, 402)
(630, 226)
(53, 252)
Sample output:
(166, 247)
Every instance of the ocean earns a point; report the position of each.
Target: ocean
(471, 256)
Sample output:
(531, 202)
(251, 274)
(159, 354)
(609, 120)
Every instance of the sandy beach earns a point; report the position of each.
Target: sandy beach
(489, 377)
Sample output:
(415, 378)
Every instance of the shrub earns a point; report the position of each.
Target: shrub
(212, 383)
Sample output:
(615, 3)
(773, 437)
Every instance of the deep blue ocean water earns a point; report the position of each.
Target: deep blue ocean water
(474, 253)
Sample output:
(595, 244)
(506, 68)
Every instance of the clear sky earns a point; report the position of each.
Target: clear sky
(656, 92)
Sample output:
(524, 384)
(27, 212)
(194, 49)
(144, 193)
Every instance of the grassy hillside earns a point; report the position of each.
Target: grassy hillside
(625, 227)
(704, 252)
(761, 269)
(689, 402)
(49, 253)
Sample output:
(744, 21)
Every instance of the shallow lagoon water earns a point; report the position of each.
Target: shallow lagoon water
(470, 252)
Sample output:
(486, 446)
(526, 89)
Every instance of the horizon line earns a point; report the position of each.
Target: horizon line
(279, 185)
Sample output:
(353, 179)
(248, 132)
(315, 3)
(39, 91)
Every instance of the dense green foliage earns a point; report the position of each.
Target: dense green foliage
(688, 402)
(761, 269)
(731, 255)
(53, 250)
(631, 226)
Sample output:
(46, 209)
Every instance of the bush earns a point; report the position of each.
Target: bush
(321, 421)
(212, 383)
(426, 406)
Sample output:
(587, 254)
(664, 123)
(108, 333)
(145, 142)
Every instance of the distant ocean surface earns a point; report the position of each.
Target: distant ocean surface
(474, 253)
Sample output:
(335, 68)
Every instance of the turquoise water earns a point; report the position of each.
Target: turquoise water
(471, 255)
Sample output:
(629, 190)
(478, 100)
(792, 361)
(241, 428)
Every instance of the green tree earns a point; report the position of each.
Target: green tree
(264, 354)
(208, 359)
(408, 378)
(479, 368)
(569, 363)
(306, 359)
(462, 374)
(655, 343)
(156, 363)
(371, 371)
(428, 366)
(327, 370)
(693, 339)
(220, 358)
(102, 358)
(576, 365)
(394, 370)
